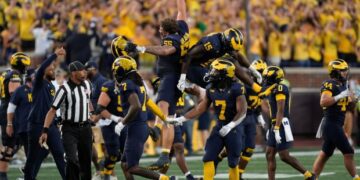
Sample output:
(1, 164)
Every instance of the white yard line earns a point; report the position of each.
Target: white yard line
(199, 158)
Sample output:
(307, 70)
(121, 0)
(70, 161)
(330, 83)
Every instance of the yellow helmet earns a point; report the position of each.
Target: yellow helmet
(273, 74)
(220, 69)
(259, 65)
(335, 67)
(118, 46)
(233, 39)
(122, 66)
(19, 61)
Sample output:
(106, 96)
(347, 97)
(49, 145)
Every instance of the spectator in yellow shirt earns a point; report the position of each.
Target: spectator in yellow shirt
(27, 17)
(315, 46)
(347, 43)
(285, 46)
(301, 45)
(274, 42)
(330, 40)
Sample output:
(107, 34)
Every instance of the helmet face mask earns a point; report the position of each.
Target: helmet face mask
(273, 75)
(122, 66)
(220, 70)
(339, 70)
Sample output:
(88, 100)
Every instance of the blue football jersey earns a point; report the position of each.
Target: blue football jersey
(224, 101)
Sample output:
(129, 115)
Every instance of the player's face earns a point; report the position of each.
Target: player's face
(344, 74)
(162, 32)
(50, 72)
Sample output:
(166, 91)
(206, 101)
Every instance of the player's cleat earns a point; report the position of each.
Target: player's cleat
(96, 176)
(172, 178)
(110, 177)
(312, 177)
(161, 163)
(154, 133)
(191, 177)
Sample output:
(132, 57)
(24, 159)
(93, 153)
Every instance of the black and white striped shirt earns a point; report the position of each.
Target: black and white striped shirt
(74, 101)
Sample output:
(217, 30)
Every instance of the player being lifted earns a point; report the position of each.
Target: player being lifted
(174, 46)
(279, 135)
(335, 97)
(209, 48)
(227, 97)
(134, 102)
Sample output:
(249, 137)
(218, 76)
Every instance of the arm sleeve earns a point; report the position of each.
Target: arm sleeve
(171, 42)
(15, 98)
(183, 27)
(281, 92)
(41, 71)
(238, 90)
(327, 87)
(59, 97)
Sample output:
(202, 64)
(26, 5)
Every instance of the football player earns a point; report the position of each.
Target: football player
(18, 110)
(109, 106)
(280, 137)
(10, 80)
(228, 98)
(253, 117)
(213, 46)
(134, 103)
(335, 97)
(174, 46)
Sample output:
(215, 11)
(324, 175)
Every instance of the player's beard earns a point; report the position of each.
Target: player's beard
(50, 77)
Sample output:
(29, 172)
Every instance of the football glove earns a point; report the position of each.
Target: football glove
(256, 73)
(176, 121)
(261, 121)
(226, 129)
(277, 134)
(119, 127)
(182, 82)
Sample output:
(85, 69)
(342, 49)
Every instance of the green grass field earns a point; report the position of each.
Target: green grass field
(334, 170)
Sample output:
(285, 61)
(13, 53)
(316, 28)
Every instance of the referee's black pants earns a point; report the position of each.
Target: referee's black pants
(77, 140)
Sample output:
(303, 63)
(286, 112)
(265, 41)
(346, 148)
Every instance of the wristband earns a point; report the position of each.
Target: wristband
(45, 130)
(9, 124)
(141, 49)
(276, 127)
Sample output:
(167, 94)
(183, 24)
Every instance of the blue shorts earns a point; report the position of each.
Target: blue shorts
(168, 91)
(114, 144)
(232, 142)
(334, 137)
(196, 73)
(204, 121)
(249, 125)
(272, 142)
(136, 136)
(178, 135)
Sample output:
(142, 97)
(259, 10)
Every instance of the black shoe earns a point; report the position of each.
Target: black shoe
(190, 177)
(154, 133)
(161, 163)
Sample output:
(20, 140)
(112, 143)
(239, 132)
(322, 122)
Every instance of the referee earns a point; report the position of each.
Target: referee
(74, 99)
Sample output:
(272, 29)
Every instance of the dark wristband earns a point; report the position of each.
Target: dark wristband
(45, 130)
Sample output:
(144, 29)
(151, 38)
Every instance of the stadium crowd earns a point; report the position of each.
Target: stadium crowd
(321, 30)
